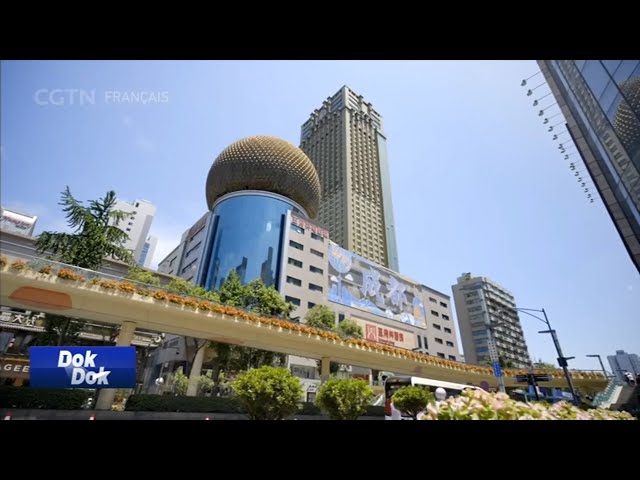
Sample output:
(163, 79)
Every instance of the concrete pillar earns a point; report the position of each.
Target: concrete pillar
(106, 395)
(324, 369)
(196, 369)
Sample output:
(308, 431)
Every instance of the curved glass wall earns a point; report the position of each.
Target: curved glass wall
(248, 232)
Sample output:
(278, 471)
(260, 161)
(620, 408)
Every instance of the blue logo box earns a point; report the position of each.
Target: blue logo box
(82, 367)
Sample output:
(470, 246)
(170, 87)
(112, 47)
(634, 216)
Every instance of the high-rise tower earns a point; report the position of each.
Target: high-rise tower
(345, 141)
(600, 100)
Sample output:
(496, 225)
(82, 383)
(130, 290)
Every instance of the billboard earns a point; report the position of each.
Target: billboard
(17, 222)
(82, 367)
(357, 282)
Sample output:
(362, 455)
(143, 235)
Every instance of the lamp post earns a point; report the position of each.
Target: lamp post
(562, 360)
(606, 375)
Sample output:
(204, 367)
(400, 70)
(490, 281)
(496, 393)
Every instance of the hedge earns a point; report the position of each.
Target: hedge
(26, 397)
(169, 403)
(166, 403)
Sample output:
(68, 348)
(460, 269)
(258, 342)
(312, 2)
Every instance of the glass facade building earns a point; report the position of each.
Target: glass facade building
(600, 100)
(246, 233)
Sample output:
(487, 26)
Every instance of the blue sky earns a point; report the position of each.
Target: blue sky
(478, 184)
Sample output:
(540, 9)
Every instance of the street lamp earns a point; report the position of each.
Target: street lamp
(606, 375)
(562, 360)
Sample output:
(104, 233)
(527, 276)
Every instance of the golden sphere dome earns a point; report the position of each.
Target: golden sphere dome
(265, 163)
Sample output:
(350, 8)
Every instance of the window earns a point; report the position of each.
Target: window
(316, 252)
(294, 281)
(424, 341)
(452, 357)
(340, 317)
(449, 344)
(130, 223)
(296, 228)
(190, 278)
(433, 300)
(295, 301)
(172, 260)
(482, 349)
(441, 355)
(128, 229)
(294, 262)
(192, 264)
(436, 326)
(315, 236)
(434, 313)
(310, 305)
(315, 288)
(419, 342)
(445, 317)
(439, 340)
(447, 330)
(316, 269)
(192, 249)
(442, 304)
(296, 245)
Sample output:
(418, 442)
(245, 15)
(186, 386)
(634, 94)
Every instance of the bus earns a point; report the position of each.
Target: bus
(394, 383)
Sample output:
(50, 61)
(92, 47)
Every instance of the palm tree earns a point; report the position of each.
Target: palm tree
(96, 235)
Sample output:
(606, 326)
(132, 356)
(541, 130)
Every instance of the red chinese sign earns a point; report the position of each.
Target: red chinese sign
(310, 226)
(383, 335)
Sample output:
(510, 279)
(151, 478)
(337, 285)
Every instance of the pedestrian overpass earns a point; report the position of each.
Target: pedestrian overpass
(66, 290)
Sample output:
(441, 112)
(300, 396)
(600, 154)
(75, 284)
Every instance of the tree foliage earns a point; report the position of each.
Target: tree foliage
(540, 365)
(321, 316)
(350, 327)
(344, 399)
(412, 400)
(268, 393)
(180, 382)
(59, 330)
(96, 234)
(141, 275)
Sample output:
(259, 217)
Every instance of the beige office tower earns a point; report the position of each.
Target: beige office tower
(345, 141)
(481, 302)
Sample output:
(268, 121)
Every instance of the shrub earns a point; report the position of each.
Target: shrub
(268, 393)
(412, 400)
(481, 405)
(26, 397)
(344, 399)
(45, 269)
(19, 265)
(68, 274)
(169, 403)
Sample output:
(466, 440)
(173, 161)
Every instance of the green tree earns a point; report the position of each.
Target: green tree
(268, 393)
(344, 399)
(540, 365)
(141, 275)
(180, 382)
(205, 383)
(321, 316)
(412, 400)
(59, 330)
(349, 327)
(96, 235)
(232, 292)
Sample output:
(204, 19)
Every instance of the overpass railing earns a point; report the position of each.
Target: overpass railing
(106, 282)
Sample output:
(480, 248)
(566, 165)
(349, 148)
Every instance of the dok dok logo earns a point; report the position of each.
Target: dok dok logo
(83, 367)
(80, 363)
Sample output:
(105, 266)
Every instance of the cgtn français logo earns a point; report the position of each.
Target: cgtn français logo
(83, 367)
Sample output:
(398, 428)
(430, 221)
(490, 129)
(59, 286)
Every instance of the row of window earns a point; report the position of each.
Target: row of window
(298, 263)
(298, 283)
(438, 327)
(439, 340)
(433, 300)
(299, 246)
